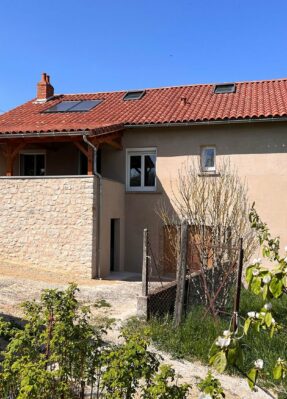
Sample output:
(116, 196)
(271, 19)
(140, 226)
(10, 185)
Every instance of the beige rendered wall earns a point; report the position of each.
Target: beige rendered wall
(112, 207)
(48, 223)
(258, 150)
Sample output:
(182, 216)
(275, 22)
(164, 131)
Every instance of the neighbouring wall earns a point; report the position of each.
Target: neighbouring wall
(49, 223)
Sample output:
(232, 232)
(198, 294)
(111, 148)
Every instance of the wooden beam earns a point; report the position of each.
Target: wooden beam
(10, 153)
(117, 144)
(81, 148)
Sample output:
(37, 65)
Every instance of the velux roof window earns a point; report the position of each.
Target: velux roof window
(74, 106)
(224, 88)
(134, 95)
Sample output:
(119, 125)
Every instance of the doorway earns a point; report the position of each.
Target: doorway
(115, 245)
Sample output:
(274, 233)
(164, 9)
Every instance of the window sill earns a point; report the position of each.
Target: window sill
(209, 174)
(143, 192)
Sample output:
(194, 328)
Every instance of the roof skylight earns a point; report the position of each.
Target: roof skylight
(224, 88)
(134, 95)
(73, 106)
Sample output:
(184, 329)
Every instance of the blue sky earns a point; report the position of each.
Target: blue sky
(92, 45)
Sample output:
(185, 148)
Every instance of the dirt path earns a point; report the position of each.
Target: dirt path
(20, 284)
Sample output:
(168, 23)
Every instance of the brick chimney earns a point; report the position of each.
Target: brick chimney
(44, 89)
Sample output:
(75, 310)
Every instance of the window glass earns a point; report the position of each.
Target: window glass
(39, 165)
(208, 158)
(149, 170)
(141, 170)
(32, 165)
(135, 171)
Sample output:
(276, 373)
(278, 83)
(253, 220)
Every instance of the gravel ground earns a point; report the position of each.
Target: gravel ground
(18, 284)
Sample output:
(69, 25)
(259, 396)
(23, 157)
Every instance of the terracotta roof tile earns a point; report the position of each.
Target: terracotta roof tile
(195, 103)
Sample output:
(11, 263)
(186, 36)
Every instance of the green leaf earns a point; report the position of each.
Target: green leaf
(276, 287)
(246, 326)
(277, 372)
(249, 274)
(252, 377)
(268, 319)
(219, 361)
(256, 285)
(231, 356)
(265, 291)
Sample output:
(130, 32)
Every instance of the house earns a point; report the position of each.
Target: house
(82, 174)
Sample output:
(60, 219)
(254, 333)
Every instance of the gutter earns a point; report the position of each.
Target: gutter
(98, 207)
(206, 123)
(43, 134)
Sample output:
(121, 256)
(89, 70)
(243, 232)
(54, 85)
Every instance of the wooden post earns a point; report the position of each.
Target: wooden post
(90, 161)
(238, 287)
(145, 270)
(181, 275)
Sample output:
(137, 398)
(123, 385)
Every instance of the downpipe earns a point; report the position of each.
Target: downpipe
(99, 206)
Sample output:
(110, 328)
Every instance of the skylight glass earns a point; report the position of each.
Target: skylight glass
(73, 106)
(134, 95)
(224, 88)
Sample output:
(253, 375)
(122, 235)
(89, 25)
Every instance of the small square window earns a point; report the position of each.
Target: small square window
(207, 159)
(141, 170)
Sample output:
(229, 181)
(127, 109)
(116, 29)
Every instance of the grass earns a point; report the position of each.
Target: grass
(196, 334)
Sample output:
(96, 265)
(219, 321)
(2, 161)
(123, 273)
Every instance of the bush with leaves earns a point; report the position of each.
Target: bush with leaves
(270, 284)
(60, 354)
(211, 388)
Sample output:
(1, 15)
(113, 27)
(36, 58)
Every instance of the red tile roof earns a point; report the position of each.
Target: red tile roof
(195, 103)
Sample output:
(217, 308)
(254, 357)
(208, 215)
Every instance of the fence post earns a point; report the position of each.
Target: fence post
(142, 301)
(238, 287)
(181, 275)
(145, 264)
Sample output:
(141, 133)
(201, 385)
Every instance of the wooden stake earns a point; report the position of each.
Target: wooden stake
(145, 264)
(181, 276)
(238, 288)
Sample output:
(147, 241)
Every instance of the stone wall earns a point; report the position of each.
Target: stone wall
(48, 223)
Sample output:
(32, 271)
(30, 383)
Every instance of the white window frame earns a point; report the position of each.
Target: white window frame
(139, 152)
(33, 152)
(207, 169)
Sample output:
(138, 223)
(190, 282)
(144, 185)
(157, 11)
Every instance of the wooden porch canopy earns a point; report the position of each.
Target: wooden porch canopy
(13, 142)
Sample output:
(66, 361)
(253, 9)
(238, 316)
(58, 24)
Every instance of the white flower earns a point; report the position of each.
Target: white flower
(273, 321)
(222, 342)
(256, 261)
(226, 333)
(205, 396)
(257, 315)
(259, 364)
(268, 306)
(266, 279)
(251, 314)
(255, 272)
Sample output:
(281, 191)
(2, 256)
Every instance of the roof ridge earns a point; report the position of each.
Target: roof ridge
(173, 87)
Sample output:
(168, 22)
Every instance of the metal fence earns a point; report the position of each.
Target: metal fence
(196, 272)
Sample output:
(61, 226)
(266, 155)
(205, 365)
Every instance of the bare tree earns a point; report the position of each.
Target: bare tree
(216, 210)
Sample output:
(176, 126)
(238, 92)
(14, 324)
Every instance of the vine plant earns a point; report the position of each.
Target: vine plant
(269, 283)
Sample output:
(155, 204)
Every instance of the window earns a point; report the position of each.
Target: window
(134, 95)
(207, 160)
(32, 164)
(224, 88)
(73, 106)
(141, 170)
